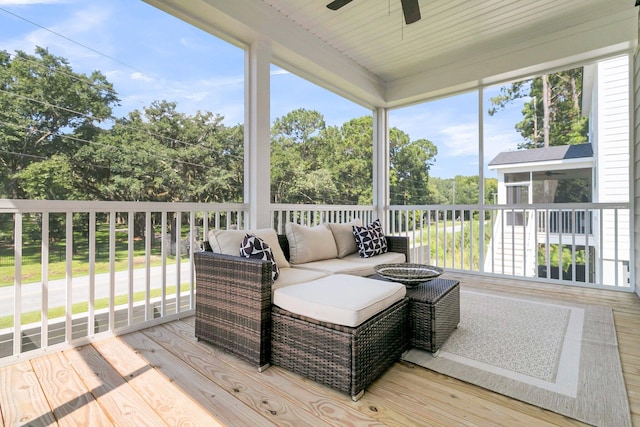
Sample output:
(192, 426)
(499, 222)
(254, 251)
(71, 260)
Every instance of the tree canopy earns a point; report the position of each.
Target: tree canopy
(59, 140)
(46, 112)
(553, 114)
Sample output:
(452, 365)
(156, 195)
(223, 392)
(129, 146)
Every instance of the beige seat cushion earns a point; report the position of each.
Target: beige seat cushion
(353, 264)
(339, 298)
(385, 258)
(293, 276)
(308, 244)
(343, 235)
(228, 242)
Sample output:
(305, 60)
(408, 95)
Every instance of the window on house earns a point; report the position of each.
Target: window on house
(562, 186)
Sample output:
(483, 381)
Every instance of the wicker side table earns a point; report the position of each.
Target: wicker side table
(434, 312)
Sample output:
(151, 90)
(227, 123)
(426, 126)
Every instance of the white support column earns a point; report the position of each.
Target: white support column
(257, 151)
(481, 183)
(381, 164)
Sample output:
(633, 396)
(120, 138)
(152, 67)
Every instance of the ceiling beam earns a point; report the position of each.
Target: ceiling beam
(503, 60)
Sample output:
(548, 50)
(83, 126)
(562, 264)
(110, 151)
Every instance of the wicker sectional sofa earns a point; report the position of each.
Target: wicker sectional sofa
(235, 311)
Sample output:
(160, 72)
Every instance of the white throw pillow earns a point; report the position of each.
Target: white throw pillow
(228, 241)
(308, 244)
(343, 235)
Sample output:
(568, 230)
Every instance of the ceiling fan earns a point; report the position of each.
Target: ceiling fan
(410, 8)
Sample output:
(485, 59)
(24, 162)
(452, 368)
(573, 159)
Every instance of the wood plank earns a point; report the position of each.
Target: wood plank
(201, 357)
(224, 387)
(66, 392)
(222, 405)
(22, 400)
(122, 404)
(481, 406)
(162, 395)
(310, 393)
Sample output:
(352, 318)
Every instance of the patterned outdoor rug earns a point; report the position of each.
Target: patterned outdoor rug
(560, 356)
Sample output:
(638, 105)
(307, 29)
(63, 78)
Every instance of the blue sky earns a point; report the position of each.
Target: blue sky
(149, 55)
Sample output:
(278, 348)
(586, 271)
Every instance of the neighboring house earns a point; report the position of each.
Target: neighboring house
(592, 173)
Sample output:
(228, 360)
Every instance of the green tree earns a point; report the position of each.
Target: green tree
(313, 163)
(45, 109)
(352, 161)
(410, 162)
(160, 154)
(299, 170)
(490, 191)
(553, 115)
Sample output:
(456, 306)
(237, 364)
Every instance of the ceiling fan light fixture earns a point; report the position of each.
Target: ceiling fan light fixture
(337, 4)
(410, 8)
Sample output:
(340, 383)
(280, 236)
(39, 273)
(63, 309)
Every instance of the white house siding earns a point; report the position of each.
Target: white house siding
(636, 162)
(611, 133)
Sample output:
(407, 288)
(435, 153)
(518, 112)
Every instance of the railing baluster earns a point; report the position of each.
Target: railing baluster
(587, 248)
(112, 269)
(17, 284)
(44, 259)
(92, 273)
(130, 235)
(148, 239)
(178, 261)
(69, 277)
(163, 282)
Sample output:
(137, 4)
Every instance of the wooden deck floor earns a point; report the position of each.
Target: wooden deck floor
(162, 376)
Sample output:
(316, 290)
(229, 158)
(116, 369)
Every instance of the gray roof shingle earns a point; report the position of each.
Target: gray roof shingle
(560, 152)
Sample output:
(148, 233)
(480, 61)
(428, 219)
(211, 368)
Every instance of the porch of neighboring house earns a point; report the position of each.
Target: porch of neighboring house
(161, 375)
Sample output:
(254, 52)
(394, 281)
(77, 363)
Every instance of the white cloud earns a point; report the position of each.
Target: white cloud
(140, 76)
(460, 139)
(67, 37)
(279, 72)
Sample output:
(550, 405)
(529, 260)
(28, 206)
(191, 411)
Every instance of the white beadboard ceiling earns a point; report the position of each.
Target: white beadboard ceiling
(365, 50)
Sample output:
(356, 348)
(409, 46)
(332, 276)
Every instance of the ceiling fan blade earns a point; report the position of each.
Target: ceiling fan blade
(337, 4)
(411, 10)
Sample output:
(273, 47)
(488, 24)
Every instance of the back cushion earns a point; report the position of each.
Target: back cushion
(343, 235)
(228, 241)
(307, 244)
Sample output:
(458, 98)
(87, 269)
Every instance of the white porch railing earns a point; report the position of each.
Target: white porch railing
(578, 244)
(71, 271)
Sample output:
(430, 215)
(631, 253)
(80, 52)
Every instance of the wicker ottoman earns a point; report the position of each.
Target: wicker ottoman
(434, 312)
(345, 358)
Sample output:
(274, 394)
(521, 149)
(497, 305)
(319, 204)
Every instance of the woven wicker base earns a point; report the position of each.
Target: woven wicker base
(344, 358)
(434, 313)
(233, 306)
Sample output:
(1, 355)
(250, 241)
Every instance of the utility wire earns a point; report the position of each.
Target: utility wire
(74, 138)
(108, 119)
(71, 76)
(112, 91)
(69, 39)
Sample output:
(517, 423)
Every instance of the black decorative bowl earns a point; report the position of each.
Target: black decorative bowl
(408, 274)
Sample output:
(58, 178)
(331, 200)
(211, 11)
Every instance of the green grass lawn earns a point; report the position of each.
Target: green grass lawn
(32, 255)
